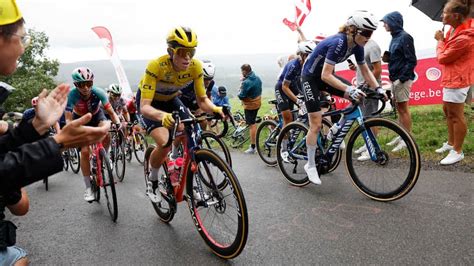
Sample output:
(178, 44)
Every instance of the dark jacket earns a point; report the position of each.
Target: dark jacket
(402, 61)
(26, 157)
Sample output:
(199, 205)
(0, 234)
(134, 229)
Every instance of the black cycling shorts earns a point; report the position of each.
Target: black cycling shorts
(250, 116)
(174, 104)
(312, 87)
(284, 103)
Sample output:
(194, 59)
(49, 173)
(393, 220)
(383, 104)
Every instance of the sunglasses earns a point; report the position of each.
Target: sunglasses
(83, 84)
(24, 38)
(365, 33)
(116, 95)
(184, 52)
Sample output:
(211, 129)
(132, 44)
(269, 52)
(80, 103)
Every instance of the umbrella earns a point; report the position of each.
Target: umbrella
(431, 8)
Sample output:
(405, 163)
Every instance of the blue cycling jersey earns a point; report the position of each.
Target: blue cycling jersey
(292, 74)
(331, 50)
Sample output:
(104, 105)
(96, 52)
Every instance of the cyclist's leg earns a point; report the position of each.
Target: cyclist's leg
(312, 102)
(284, 105)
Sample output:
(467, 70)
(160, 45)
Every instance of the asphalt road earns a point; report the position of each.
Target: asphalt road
(328, 224)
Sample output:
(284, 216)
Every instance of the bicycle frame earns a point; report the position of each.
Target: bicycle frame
(96, 153)
(352, 114)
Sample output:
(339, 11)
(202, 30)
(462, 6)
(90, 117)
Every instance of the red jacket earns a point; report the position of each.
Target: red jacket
(456, 55)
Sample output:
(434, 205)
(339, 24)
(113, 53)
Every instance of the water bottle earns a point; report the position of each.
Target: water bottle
(333, 131)
(174, 169)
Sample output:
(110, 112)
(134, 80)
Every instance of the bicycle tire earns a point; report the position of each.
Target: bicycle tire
(389, 165)
(128, 150)
(108, 182)
(165, 213)
(223, 129)
(140, 147)
(219, 202)
(65, 155)
(266, 141)
(208, 138)
(119, 154)
(293, 170)
(74, 160)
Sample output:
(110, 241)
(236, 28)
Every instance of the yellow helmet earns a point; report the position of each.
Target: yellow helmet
(181, 37)
(9, 12)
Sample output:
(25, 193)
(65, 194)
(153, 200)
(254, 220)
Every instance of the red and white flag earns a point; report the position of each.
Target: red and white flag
(302, 8)
(104, 35)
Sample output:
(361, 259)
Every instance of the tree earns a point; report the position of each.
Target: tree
(34, 73)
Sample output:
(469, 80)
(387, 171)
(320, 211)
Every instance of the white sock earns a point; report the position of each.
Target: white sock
(311, 155)
(87, 181)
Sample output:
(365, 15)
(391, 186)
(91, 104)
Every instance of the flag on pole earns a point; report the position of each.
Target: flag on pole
(104, 35)
(302, 8)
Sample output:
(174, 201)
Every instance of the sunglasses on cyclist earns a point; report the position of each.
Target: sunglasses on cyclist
(116, 95)
(184, 51)
(366, 33)
(83, 84)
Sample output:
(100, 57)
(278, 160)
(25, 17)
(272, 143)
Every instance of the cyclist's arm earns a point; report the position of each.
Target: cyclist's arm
(108, 108)
(205, 104)
(368, 76)
(328, 77)
(149, 111)
(126, 114)
(286, 89)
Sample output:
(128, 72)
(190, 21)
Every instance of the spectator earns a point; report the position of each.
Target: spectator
(455, 53)
(250, 95)
(373, 58)
(27, 154)
(401, 60)
(221, 98)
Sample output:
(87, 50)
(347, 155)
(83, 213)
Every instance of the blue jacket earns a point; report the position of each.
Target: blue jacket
(221, 101)
(402, 61)
(251, 87)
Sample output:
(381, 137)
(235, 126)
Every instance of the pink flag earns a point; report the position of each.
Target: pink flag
(302, 8)
(104, 35)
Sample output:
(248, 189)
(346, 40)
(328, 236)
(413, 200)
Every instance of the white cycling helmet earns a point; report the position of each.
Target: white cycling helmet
(306, 47)
(363, 20)
(209, 69)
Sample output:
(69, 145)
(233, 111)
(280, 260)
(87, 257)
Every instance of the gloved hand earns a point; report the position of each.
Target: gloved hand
(168, 120)
(354, 93)
(300, 103)
(381, 90)
(218, 110)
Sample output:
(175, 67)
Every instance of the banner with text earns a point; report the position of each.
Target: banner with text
(426, 89)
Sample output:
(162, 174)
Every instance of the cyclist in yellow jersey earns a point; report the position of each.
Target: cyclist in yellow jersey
(158, 90)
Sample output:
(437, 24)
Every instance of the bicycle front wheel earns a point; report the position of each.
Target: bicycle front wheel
(139, 146)
(292, 167)
(220, 214)
(391, 173)
(108, 184)
(74, 160)
(119, 156)
(267, 135)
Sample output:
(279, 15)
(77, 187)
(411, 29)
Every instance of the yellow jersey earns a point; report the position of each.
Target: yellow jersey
(162, 83)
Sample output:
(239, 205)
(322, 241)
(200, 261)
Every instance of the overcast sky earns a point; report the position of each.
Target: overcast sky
(139, 27)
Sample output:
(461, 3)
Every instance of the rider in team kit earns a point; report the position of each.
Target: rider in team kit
(318, 74)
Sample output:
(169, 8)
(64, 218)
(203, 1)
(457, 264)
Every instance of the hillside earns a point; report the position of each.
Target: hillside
(227, 70)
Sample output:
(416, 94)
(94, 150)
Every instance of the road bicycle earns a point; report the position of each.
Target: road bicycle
(102, 177)
(136, 143)
(213, 193)
(117, 153)
(72, 158)
(387, 176)
(241, 133)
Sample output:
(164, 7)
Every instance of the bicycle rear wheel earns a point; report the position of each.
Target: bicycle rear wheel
(108, 184)
(392, 174)
(267, 135)
(74, 160)
(220, 214)
(293, 168)
(139, 146)
(167, 207)
(211, 141)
